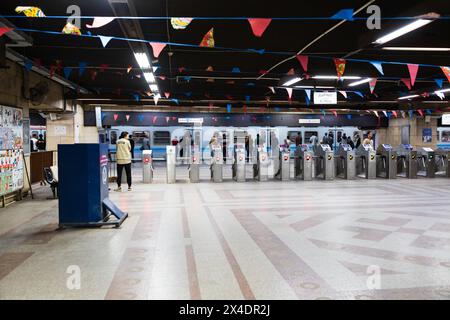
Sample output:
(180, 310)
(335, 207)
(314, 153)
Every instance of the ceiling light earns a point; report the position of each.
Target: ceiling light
(149, 77)
(292, 81)
(142, 60)
(408, 97)
(335, 77)
(442, 91)
(403, 30)
(154, 88)
(314, 87)
(415, 49)
(357, 83)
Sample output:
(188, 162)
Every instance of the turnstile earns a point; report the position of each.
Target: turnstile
(427, 163)
(407, 161)
(366, 164)
(324, 158)
(285, 168)
(346, 162)
(303, 163)
(261, 167)
(217, 165)
(386, 162)
(171, 160)
(442, 163)
(239, 165)
(194, 167)
(147, 166)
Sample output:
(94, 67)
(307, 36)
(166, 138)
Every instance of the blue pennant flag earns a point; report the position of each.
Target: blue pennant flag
(349, 117)
(277, 109)
(344, 14)
(307, 100)
(378, 66)
(411, 113)
(247, 98)
(188, 94)
(141, 118)
(228, 108)
(67, 72)
(28, 65)
(176, 101)
(81, 68)
(236, 70)
(137, 97)
(439, 82)
(187, 78)
(359, 93)
(428, 111)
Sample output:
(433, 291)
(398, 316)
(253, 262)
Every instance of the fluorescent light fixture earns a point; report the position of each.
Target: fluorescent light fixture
(442, 91)
(408, 97)
(403, 30)
(154, 88)
(335, 77)
(415, 49)
(149, 77)
(292, 81)
(142, 60)
(314, 87)
(357, 83)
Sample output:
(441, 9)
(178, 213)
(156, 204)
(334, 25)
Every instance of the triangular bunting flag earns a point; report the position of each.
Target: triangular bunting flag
(228, 108)
(272, 89)
(344, 94)
(259, 25)
(303, 62)
(67, 72)
(157, 48)
(141, 118)
(340, 67)
(208, 39)
(167, 94)
(439, 82)
(236, 70)
(100, 22)
(385, 113)
(446, 71)
(176, 101)
(372, 84)
(335, 113)
(308, 93)
(420, 111)
(344, 14)
(378, 66)
(156, 98)
(105, 40)
(154, 119)
(28, 65)
(81, 68)
(289, 92)
(4, 30)
(441, 95)
(180, 23)
(359, 94)
(291, 72)
(413, 68)
(116, 116)
(167, 119)
(394, 113)
(137, 97)
(407, 82)
(376, 113)
(411, 113)
(127, 117)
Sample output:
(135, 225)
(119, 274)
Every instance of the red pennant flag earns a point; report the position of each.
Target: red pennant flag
(157, 48)
(334, 112)
(407, 83)
(4, 30)
(420, 111)
(162, 77)
(395, 113)
(244, 108)
(208, 39)
(103, 67)
(372, 84)
(167, 94)
(291, 72)
(446, 71)
(52, 71)
(262, 71)
(413, 69)
(154, 118)
(174, 118)
(116, 116)
(340, 67)
(303, 61)
(259, 25)
(181, 69)
(59, 65)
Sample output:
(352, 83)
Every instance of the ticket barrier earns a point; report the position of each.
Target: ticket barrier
(442, 163)
(285, 168)
(366, 164)
(407, 161)
(346, 162)
(427, 163)
(324, 159)
(147, 166)
(238, 166)
(194, 168)
(171, 160)
(261, 168)
(386, 162)
(217, 165)
(303, 165)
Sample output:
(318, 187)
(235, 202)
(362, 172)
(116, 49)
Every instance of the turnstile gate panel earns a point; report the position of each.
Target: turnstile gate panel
(303, 163)
(285, 168)
(261, 168)
(407, 161)
(427, 162)
(171, 160)
(386, 162)
(366, 164)
(239, 165)
(324, 162)
(442, 162)
(346, 162)
(217, 165)
(147, 166)
(194, 167)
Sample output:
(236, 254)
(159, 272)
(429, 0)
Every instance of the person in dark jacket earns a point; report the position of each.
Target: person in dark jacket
(132, 147)
(350, 142)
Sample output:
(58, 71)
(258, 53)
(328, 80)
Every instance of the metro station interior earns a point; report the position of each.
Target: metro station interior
(224, 150)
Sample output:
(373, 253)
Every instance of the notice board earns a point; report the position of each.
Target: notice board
(11, 146)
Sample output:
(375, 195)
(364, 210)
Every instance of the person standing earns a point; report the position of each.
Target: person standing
(132, 144)
(34, 141)
(123, 156)
(146, 143)
(41, 143)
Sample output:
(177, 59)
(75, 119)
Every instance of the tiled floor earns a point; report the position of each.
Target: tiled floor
(254, 240)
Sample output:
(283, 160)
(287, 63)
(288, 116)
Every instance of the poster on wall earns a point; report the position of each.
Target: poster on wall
(26, 136)
(427, 135)
(11, 146)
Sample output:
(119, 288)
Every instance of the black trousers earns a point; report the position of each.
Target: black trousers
(127, 168)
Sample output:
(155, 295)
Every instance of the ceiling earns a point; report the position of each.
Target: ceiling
(182, 70)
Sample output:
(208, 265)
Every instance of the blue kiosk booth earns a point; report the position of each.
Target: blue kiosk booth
(83, 187)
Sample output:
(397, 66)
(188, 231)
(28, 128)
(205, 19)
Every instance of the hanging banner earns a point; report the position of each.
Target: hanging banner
(208, 39)
(340, 67)
(259, 25)
(325, 97)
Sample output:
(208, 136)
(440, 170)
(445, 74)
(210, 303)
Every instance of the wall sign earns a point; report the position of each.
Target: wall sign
(446, 119)
(60, 131)
(325, 97)
(309, 121)
(427, 135)
(190, 120)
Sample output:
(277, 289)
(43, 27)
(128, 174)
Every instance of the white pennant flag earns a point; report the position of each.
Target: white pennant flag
(441, 95)
(289, 91)
(272, 89)
(376, 113)
(344, 93)
(308, 93)
(100, 22)
(156, 98)
(105, 40)
(385, 113)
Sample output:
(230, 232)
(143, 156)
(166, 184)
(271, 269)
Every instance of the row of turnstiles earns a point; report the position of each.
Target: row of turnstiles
(320, 162)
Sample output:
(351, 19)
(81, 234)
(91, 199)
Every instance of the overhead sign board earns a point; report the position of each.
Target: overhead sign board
(190, 120)
(446, 119)
(325, 97)
(309, 121)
